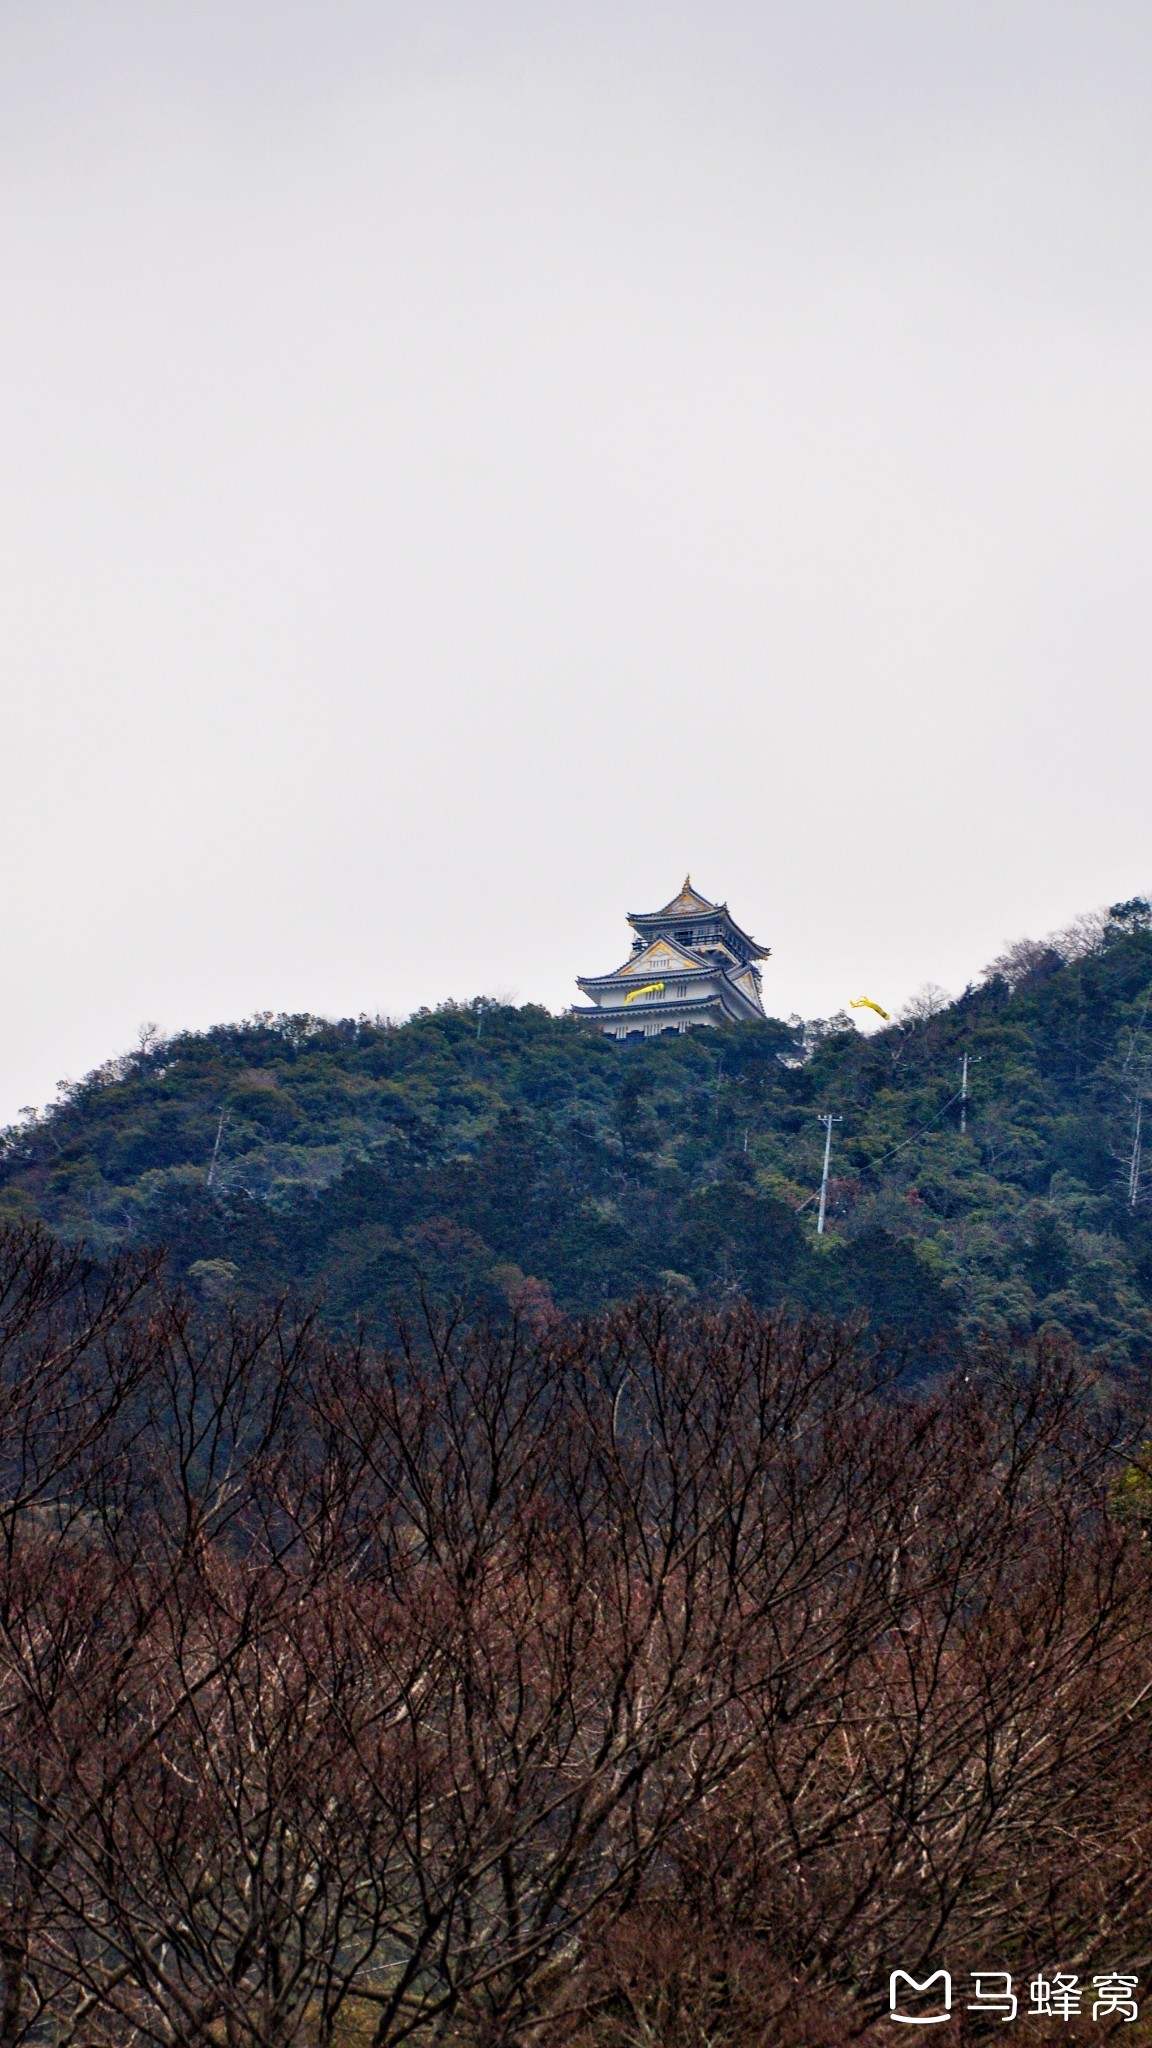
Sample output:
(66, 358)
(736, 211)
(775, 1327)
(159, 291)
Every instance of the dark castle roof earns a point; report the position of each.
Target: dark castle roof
(689, 906)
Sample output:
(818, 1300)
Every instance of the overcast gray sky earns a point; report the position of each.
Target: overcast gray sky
(463, 465)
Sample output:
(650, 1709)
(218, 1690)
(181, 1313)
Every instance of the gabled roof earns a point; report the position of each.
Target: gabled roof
(655, 958)
(687, 904)
(690, 903)
(639, 963)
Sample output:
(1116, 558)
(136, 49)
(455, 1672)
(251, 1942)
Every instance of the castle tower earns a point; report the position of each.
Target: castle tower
(690, 964)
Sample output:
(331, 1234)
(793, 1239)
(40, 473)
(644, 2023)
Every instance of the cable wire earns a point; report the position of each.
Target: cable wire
(873, 1163)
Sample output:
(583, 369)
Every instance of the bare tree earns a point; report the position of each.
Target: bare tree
(666, 1678)
(969, 1779)
(73, 1360)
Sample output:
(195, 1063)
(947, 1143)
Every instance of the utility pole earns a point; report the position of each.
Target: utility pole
(827, 1122)
(1134, 1168)
(964, 1090)
(216, 1146)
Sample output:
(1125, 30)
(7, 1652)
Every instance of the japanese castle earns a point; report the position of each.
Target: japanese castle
(690, 964)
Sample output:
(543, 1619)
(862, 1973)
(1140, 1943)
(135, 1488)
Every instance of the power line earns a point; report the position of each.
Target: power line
(818, 1193)
(916, 1134)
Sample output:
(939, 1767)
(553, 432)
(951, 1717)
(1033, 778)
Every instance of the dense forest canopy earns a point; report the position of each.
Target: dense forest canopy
(502, 1154)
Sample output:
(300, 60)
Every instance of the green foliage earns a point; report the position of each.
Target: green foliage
(504, 1154)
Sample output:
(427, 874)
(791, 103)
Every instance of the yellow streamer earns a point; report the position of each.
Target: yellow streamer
(866, 1003)
(649, 989)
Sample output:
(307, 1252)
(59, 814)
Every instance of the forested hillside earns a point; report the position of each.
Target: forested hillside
(505, 1155)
